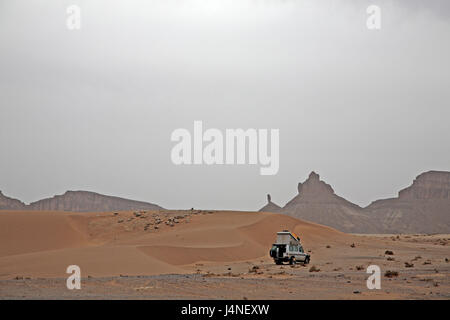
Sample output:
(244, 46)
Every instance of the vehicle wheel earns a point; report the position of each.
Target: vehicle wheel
(292, 260)
(278, 262)
(306, 260)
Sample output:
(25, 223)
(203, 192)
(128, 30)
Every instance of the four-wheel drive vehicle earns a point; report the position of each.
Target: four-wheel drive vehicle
(288, 248)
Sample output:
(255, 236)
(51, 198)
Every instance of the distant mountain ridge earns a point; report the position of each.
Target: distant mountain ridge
(7, 203)
(78, 201)
(423, 207)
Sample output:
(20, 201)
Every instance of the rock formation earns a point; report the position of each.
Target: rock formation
(270, 206)
(78, 201)
(317, 202)
(7, 203)
(423, 207)
(428, 185)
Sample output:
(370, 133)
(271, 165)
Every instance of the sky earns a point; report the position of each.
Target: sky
(93, 109)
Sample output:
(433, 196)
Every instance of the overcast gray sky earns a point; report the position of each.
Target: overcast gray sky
(94, 109)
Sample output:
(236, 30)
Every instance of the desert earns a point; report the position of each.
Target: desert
(206, 254)
(202, 153)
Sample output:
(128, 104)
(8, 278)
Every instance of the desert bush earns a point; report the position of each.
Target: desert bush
(254, 269)
(391, 274)
(314, 269)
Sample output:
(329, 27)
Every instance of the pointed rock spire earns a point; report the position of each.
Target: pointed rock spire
(270, 206)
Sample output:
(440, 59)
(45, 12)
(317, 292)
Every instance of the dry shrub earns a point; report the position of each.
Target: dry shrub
(314, 269)
(391, 274)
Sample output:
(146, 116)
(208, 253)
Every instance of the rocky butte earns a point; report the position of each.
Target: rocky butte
(423, 207)
(317, 202)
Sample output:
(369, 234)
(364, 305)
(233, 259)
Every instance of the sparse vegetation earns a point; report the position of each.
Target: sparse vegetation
(409, 265)
(359, 267)
(314, 269)
(389, 252)
(254, 269)
(391, 274)
(390, 259)
(352, 245)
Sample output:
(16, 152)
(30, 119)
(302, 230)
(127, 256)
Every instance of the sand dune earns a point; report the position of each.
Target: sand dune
(93, 261)
(27, 232)
(43, 244)
(205, 254)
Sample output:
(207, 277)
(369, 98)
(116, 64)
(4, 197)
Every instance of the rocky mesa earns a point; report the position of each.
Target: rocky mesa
(79, 201)
(7, 203)
(423, 207)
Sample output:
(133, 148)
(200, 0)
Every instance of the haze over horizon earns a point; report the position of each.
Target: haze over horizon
(94, 109)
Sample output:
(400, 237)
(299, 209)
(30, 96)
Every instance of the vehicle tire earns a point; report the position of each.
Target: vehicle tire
(278, 262)
(292, 260)
(306, 260)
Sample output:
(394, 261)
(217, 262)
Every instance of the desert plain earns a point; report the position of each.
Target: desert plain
(201, 254)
